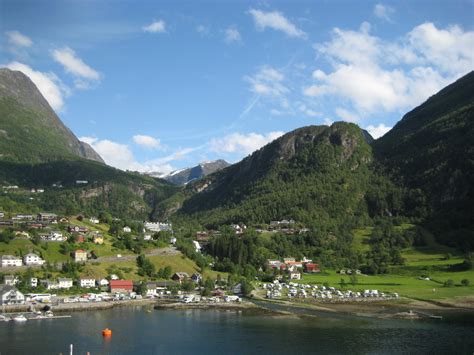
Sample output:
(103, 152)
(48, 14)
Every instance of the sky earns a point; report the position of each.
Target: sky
(162, 85)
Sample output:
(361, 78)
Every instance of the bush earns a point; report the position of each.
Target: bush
(449, 283)
(465, 282)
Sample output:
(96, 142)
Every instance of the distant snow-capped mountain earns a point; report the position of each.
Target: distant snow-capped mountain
(184, 176)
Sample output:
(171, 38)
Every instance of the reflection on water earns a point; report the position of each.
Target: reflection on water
(234, 332)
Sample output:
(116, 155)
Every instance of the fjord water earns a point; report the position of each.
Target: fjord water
(136, 331)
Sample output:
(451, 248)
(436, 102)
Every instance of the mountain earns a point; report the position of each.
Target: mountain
(184, 176)
(30, 131)
(423, 170)
(312, 174)
(38, 151)
(431, 150)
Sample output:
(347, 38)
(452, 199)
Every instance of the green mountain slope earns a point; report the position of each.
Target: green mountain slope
(38, 151)
(314, 174)
(423, 169)
(30, 131)
(432, 149)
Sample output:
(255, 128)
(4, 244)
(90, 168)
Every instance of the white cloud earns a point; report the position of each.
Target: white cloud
(76, 66)
(232, 35)
(370, 75)
(276, 21)
(267, 82)
(450, 49)
(384, 12)
(308, 111)
(242, 143)
(346, 115)
(147, 141)
(155, 27)
(378, 131)
(48, 84)
(17, 39)
(121, 156)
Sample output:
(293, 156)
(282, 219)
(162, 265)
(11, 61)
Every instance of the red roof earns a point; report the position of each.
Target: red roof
(121, 283)
(80, 251)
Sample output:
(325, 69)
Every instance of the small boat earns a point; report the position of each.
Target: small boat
(20, 318)
(107, 332)
(48, 314)
(4, 318)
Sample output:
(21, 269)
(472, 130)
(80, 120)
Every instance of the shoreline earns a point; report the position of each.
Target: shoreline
(380, 309)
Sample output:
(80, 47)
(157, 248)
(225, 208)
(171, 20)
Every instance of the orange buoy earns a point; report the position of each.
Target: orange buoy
(107, 332)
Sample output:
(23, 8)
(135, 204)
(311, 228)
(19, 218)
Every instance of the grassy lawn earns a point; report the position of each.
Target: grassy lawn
(408, 286)
(429, 260)
(177, 263)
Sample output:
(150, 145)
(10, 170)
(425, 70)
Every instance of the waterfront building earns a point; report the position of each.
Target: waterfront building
(10, 295)
(87, 283)
(121, 285)
(65, 283)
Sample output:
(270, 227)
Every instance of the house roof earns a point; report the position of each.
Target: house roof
(7, 288)
(80, 251)
(121, 283)
(61, 279)
(10, 257)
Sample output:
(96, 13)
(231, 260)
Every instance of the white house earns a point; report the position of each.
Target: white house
(10, 295)
(158, 227)
(173, 240)
(64, 283)
(87, 283)
(151, 289)
(34, 282)
(94, 220)
(127, 229)
(102, 282)
(10, 260)
(10, 280)
(49, 285)
(197, 246)
(295, 275)
(33, 259)
(147, 237)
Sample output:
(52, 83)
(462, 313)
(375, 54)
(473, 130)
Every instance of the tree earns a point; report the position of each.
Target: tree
(449, 283)
(145, 266)
(465, 282)
(246, 287)
(342, 283)
(141, 288)
(353, 278)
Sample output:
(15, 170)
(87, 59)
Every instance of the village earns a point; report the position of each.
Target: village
(181, 287)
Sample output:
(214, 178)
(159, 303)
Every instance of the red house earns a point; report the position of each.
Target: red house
(311, 267)
(121, 285)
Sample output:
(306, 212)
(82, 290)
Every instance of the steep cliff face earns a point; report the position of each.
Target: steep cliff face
(30, 129)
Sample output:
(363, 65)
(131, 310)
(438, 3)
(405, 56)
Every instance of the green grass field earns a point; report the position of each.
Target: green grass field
(429, 261)
(177, 262)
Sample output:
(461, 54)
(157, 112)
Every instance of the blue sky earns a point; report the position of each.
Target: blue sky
(157, 86)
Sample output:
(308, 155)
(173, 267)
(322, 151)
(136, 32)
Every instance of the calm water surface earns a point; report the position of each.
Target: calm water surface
(230, 332)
